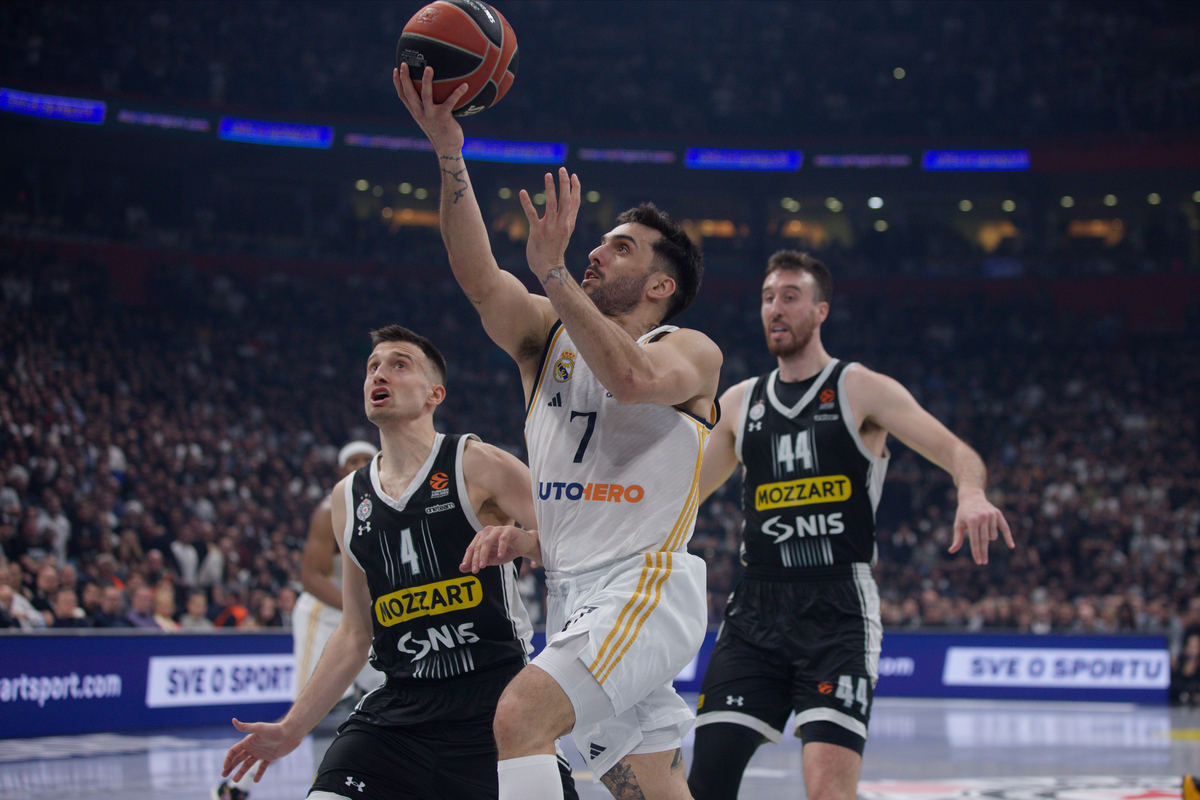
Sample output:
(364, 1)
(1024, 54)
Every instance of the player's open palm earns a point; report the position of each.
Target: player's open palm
(265, 742)
(550, 234)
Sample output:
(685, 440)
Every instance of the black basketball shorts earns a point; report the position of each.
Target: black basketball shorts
(807, 646)
(420, 743)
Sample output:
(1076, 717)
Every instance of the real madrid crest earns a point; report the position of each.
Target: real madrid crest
(364, 509)
(564, 365)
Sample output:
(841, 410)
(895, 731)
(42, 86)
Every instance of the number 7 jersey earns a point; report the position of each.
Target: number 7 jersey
(609, 480)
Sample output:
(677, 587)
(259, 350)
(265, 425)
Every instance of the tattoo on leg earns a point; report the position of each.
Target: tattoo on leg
(559, 274)
(677, 761)
(623, 784)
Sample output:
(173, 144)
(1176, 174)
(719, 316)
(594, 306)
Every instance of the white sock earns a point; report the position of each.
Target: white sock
(530, 778)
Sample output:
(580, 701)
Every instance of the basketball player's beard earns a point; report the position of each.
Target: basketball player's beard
(618, 296)
(801, 336)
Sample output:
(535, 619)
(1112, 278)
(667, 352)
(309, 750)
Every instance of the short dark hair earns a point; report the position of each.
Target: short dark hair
(399, 333)
(675, 251)
(794, 260)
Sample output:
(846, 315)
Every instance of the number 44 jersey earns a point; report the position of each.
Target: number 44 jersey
(811, 485)
(609, 480)
(430, 620)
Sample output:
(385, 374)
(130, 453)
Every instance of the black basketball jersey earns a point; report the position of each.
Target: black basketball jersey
(430, 620)
(810, 485)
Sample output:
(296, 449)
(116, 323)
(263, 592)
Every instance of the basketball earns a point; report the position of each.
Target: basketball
(464, 41)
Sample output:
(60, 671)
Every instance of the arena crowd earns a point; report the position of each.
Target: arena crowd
(906, 67)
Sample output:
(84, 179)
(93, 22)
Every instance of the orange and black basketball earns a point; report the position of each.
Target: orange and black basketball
(464, 41)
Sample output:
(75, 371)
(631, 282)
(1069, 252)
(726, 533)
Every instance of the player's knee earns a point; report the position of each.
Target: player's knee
(521, 725)
(510, 722)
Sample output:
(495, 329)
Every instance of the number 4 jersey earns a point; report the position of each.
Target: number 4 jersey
(609, 480)
(430, 620)
(810, 486)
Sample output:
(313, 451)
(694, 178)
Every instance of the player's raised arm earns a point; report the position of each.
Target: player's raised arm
(681, 369)
(882, 400)
(512, 317)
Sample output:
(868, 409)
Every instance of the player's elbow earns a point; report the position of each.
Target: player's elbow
(632, 390)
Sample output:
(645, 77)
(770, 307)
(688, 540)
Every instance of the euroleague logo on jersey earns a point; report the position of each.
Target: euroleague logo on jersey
(439, 482)
(827, 397)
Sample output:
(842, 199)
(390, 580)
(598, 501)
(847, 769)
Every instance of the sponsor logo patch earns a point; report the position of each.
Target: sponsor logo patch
(428, 600)
(824, 489)
(602, 492)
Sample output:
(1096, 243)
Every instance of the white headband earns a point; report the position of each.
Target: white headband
(353, 449)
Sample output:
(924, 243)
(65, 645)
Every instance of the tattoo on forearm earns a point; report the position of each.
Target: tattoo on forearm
(623, 784)
(458, 175)
(559, 274)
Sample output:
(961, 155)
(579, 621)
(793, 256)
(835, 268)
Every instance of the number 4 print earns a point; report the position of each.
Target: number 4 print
(846, 693)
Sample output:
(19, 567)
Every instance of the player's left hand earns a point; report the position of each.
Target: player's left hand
(982, 522)
(265, 742)
(550, 234)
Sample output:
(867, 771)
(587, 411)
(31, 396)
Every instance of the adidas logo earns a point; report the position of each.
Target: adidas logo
(596, 750)
(557, 401)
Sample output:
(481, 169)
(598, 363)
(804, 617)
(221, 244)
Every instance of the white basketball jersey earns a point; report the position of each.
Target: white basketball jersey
(336, 577)
(609, 480)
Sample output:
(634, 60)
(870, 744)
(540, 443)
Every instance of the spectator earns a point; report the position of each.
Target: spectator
(230, 613)
(141, 608)
(8, 618)
(286, 602)
(164, 608)
(266, 614)
(1185, 671)
(54, 524)
(194, 617)
(112, 609)
(67, 613)
(90, 598)
(42, 597)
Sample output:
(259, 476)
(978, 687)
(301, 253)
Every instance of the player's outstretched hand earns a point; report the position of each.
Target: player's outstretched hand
(982, 522)
(435, 119)
(499, 544)
(265, 742)
(550, 234)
